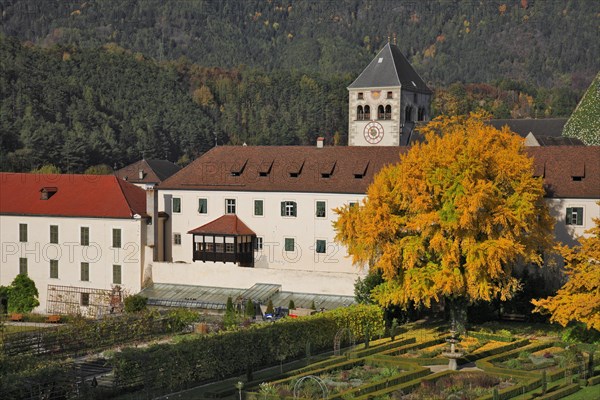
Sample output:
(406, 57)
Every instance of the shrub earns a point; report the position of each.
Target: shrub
(135, 303)
(249, 309)
(179, 318)
(22, 295)
(269, 307)
(513, 364)
(291, 305)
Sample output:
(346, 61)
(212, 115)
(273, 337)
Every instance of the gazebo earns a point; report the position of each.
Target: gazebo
(226, 239)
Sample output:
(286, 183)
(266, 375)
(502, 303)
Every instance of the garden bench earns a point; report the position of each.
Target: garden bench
(53, 319)
(16, 317)
(513, 317)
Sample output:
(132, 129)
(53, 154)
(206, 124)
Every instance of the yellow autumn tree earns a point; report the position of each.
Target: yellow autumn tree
(452, 219)
(579, 298)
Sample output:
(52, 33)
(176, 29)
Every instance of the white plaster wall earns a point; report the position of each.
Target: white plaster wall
(568, 234)
(229, 276)
(70, 254)
(305, 228)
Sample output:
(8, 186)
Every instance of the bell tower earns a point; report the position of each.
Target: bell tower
(386, 101)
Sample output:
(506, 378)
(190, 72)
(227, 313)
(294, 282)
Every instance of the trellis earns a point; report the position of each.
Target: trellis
(83, 301)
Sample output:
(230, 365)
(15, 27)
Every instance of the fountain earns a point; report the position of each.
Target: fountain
(453, 355)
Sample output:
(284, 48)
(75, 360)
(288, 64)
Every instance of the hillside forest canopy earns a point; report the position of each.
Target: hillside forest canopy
(109, 82)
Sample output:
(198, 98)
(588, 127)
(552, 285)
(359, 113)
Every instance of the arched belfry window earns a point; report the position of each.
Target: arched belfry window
(408, 114)
(388, 112)
(380, 113)
(367, 112)
(360, 115)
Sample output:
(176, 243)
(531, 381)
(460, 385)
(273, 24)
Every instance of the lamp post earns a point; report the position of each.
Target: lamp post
(239, 386)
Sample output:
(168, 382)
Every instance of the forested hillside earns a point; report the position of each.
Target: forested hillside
(540, 42)
(76, 108)
(111, 81)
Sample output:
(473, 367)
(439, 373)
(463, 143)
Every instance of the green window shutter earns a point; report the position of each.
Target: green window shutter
(117, 274)
(54, 269)
(283, 208)
(22, 232)
(116, 238)
(569, 215)
(202, 206)
(85, 271)
(54, 234)
(289, 244)
(294, 208)
(321, 209)
(258, 207)
(176, 205)
(321, 246)
(23, 266)
(85, 236)
(579, 211)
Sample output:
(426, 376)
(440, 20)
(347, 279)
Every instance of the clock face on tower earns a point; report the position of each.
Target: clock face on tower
(373, 132)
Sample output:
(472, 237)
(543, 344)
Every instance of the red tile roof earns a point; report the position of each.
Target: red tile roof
(351, 169)
(76, 196)
(154, 171)
(559, 165)
(339, 169)
(228, 224)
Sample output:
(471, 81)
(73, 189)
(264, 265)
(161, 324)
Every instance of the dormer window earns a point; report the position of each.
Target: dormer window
(578, 171)
(141, 174)
(47, 192)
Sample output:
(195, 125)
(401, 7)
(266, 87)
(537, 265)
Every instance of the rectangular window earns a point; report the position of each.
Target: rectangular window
(84, 236)
(361, 96)
(321, 209)
(230, 206)
(54, 234)
(353, 204)
(23, 266)
(258, 244)
(258, 208)
(390, 95)
(116, 238)
(229, 247)
(289, 244)
(321, 245)
(288, 208)
(22, 232)
(85, 271)
(176, 205)
(575, 216)
(117, 274)
(53, 269)
(85, 299)
(202, 206)
(177, 238)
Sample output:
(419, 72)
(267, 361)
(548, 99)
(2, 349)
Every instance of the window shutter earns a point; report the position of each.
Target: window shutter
(569, 214)
(294, 208)
(579, 216)
(283, 208)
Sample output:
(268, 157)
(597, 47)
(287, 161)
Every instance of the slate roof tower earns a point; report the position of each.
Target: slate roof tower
(386, 100)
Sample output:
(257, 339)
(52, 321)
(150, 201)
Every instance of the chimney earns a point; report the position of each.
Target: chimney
(320, 141)
(141, 174)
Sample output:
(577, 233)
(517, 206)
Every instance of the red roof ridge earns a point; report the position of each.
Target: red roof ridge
(228, 224)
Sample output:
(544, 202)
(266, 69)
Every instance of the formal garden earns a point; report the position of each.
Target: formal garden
(346, 353)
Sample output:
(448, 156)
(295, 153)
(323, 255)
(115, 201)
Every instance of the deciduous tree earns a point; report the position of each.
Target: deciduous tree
(22, 295)
(452, 219)
(579, 298)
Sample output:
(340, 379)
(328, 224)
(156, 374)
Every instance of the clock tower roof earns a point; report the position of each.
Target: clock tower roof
(388, 69)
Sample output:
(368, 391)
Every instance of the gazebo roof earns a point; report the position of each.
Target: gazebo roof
(228, 224)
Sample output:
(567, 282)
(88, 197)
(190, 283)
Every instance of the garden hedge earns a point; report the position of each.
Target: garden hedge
(171, 367)
(561, 392)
